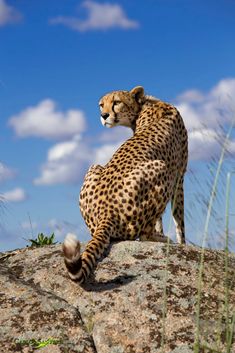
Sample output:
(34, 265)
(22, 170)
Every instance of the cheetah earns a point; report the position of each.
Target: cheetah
(125, 199)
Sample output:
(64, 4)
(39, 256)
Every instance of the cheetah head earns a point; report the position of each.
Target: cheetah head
(121, 107)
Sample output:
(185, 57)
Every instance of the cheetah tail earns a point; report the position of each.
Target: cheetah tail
(80, 266)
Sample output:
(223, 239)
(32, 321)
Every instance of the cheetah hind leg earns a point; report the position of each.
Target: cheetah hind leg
(159, 233)
(177, 207)
(90, 179)
(154, 232)
(93, 173)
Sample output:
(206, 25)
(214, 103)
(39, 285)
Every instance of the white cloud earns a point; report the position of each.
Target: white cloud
(66, 162)
(43, 120)
(100, 17)
(204, 114)
(8, 14)
(191, 96)
(207, 143)
(5, 173)
(104, 153)
(15, 195)
(224, 91)
(211, 109)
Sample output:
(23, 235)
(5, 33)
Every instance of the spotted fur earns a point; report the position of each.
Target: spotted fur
(126, 198)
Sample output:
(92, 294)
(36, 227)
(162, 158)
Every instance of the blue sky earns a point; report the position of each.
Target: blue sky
(59, 57)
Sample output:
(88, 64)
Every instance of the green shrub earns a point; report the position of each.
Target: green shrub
(43, 240)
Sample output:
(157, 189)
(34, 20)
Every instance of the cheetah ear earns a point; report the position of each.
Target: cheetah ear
(138, 93)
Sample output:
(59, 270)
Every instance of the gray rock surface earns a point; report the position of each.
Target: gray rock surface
(120, 309)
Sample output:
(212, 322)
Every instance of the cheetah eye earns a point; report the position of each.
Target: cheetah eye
(101, 105)
(116, 102)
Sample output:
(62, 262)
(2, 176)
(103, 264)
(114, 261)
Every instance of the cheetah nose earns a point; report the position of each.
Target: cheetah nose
(105, 116)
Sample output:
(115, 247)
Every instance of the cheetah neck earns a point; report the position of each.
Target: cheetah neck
(148, 101)
(133, 125)
(145, 116)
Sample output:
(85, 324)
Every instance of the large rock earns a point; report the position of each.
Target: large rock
(121, 309)
(27, 312)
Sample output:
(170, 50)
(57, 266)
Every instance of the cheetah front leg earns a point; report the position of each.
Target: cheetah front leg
(177, 207)
(159, 228)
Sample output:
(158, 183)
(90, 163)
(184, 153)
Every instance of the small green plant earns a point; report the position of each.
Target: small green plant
(89, 323)
(43, 240)
(38, 343)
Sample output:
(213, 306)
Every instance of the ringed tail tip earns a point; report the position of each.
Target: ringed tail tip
(71, 247)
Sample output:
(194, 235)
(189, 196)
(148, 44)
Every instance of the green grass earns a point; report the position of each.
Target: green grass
(42, 240)
(230, 320)
(226, 324)
(37, 343)
(229, 327)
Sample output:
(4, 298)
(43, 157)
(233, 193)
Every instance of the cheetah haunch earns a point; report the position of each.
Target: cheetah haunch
(126, 198)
